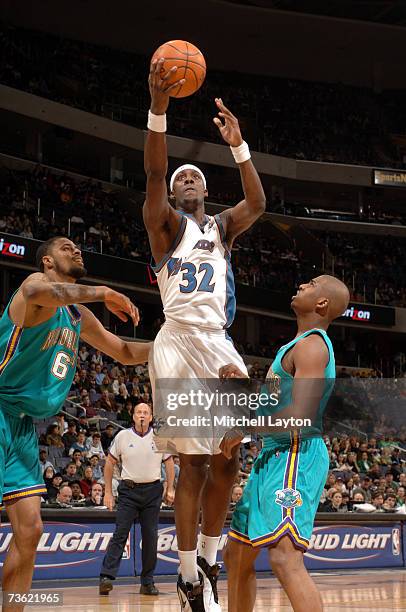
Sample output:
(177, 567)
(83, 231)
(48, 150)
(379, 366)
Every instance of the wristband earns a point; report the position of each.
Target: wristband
(156, 123)
(242, 153)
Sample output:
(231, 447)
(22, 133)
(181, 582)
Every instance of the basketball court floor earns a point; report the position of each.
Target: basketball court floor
(356, 591)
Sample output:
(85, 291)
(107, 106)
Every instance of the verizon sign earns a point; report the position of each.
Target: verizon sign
(11, 249)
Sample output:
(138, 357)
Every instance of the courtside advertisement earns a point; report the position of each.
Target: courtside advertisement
(331, 547)
(72, 550)
(76, 550)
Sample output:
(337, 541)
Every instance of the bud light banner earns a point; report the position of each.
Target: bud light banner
(332, 546)
(358, 545)
(72, 550)
(76, 550)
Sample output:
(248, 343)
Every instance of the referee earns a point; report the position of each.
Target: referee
(139, 497)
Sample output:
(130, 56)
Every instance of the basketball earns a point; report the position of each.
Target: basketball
(190, 62)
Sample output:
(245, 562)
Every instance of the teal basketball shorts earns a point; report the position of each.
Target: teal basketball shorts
(20, 470)
(282, 494)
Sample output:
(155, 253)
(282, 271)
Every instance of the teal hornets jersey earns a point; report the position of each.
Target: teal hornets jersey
(37, 364)
(280, 382)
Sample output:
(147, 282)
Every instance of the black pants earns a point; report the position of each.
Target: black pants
(139, 503)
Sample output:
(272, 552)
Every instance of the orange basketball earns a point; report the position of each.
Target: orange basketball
(190, 62)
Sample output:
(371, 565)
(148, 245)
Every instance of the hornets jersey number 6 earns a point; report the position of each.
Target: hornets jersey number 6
(195, 278)
(38, 363)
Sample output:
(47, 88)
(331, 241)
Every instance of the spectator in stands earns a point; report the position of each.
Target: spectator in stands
(84, 382)
(236, 494)
(43, 461)
(94, 462)
(48, 475)
(53, 436)
(80, 444)
(374, 472)
(335, 504)
(346, 503)
(377, 501)
(96, 496)
(390, 502)
(100, 374)
(97, 358)
(330, 482)
(87, 406)
(401, 493)
(340, 484)
(64, 496)
(366, 488)
(107, 437)
(78, 458)
(390, 482)
(53, 486)
(126, 413)
(352, 462)
(96, 447)
(77, 495)
(70, 436)
(364, 463)
(358, 497)
(83, 424)
(106, 385)
(70, 472)
(83, 353)
(107, 402)
(87, 481)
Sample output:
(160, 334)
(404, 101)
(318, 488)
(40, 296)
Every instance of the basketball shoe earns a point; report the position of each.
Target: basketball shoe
(191, 595)
(210, 574)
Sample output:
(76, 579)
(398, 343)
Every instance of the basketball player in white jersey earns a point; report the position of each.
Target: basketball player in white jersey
(191, 251)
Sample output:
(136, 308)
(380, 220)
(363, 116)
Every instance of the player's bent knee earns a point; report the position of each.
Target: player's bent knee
(27, 535)
(284, 557)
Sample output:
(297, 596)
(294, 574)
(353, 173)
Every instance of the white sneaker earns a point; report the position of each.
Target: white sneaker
(210, 575)
(190, 595)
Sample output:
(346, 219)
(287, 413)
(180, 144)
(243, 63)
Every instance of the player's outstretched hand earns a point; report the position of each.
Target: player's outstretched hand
(230, 129)
(121, 306)
(159, 87)
(231, 371)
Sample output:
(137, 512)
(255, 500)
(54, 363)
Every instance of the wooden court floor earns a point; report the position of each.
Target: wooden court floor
(378, 590)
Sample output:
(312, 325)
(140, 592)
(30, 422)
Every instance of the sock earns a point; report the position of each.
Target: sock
(208, 546)
(188, 565)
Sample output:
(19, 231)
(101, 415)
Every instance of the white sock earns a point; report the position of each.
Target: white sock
(207, 547)
(188, 565)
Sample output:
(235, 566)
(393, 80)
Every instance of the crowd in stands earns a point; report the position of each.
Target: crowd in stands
(372, 266)
(314, 121)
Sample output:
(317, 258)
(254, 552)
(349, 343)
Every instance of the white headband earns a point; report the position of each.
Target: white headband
(187, 167)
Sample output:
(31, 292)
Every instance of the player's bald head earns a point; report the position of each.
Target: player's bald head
(324, 296)
(337, 294)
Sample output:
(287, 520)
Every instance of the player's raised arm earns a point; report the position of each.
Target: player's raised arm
(127, 353)
(239, 218)
(160, 219)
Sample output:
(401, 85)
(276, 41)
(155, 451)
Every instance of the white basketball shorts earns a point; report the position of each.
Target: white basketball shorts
(185, 352)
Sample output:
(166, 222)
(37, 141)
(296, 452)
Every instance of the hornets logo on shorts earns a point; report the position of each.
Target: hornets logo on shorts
(288, 498)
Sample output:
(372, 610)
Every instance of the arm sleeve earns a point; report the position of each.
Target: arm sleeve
(114, 449)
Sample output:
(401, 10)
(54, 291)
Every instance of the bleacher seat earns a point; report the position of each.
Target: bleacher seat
(55, 453)
(62, 462)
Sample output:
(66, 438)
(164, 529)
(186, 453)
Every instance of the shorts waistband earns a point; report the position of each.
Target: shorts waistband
(192, 330)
